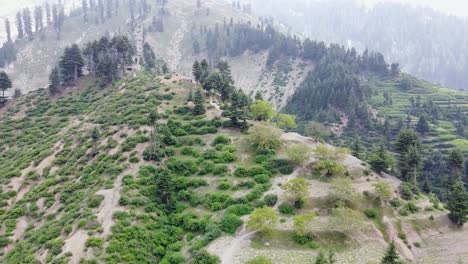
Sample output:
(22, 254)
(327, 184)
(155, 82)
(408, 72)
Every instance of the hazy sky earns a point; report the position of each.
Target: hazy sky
(454, 7)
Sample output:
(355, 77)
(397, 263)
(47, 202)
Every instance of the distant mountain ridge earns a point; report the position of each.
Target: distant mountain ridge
(428, 44)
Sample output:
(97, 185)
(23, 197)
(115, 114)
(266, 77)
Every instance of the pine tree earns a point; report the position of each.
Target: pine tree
(54, 81)
(456, 160)
(19, 25)
(380, 160)
(391, 256)
(423, 125)
(8, 29)
(205, 70)
(357, 148)
(71, 65)
(38, 19)
(197, 71)
(406, 140)
(84, 5)
(27, 23)
(149, 57)
(48, 14)
(238, 107)
(198, 100)
(190, 96)
(457, 203)
(5, 84)
(152, 122)
(101, 10)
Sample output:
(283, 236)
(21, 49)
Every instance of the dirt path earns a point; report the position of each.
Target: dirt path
(235, 245)
(393, 235)
(110, 203)
(174, 54)
(75, 244)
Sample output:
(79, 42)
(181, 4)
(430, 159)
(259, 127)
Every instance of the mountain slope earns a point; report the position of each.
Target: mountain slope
(75, 179)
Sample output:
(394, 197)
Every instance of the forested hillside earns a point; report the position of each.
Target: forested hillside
(182, 131)
(427, 44)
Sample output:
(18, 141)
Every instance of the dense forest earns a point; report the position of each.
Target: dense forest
(428, 44)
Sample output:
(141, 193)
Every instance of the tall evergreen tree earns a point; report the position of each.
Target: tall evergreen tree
(457, 203)
(101, 10)
(84, 5)
(391, 256)
(71, 65)
(38, 19)
(198, 100)
(54, 81)
(5, 84)
(19, 25)
(455, 160)
(408, 144)
(48, 13)
(152, 122)
(149, 57)
(197, 71)
(423, 125)
(27, 23)
(379, 159)
(238, 107)
(8, 29)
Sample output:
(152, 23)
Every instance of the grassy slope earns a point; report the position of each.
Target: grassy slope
(443, 135)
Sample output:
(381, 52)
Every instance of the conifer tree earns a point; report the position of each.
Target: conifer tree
(391, 256)
(54, 81)
(152, 122)
(8, 29)
(38, 19)
(423, 125)
(455, 160)
(406, 145)
(84, 5)
(19, 25)
(71, 65)
(197, 71)
(457, 203)
(27, 23)
(238, 107)
(48, 13)
(198, 100)
(380, 160)
(5, 84)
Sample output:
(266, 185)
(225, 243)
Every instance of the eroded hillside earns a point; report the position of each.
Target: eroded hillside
(79, 183)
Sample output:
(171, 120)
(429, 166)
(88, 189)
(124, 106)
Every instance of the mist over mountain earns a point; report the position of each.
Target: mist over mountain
(426, 43)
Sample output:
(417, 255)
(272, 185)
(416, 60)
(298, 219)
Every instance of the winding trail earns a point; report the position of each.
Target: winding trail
(174, 55)
(229, 253)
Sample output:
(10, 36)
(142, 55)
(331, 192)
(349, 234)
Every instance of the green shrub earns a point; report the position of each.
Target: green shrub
(395, 202)
(261, 178)
(239, 209)
(260, 260)
(224, 186)
(286, 209)
(302, 240)
(270, 199)
(371, 213)
(221, 140)
(230, 223)
(94, 242)
(406, 191)
(217, 201)
(95, 201)
(241, 172)
(221, 169)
